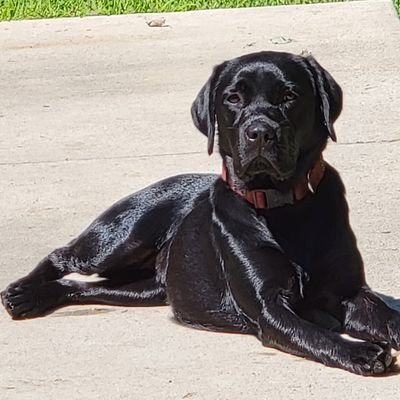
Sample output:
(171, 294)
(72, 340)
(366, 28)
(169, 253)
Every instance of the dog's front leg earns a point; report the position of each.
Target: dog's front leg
(281, 328)
(367, 317)
(264, 285)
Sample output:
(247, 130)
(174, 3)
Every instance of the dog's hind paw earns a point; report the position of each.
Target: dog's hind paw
(22, 300)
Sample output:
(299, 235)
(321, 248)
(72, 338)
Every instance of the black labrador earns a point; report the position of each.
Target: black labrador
(266, 248)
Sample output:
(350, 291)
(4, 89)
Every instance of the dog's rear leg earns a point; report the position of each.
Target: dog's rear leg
(44, 273)
(37, 301)
(147, 292)
(42, 290)
(46, 270)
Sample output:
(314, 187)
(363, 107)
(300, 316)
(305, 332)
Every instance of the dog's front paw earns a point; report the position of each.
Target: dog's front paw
(26, 300)
(368, 359)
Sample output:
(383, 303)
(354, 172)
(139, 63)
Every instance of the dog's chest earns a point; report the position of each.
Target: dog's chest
(299, 234)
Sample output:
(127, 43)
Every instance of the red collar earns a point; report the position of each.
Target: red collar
(259, 198)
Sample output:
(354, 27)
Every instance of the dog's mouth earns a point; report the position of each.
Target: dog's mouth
(262, 167)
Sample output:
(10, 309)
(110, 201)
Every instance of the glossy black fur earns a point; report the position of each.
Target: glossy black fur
(292, 275)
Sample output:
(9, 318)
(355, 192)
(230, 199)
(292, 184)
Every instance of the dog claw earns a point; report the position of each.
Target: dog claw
(379, 367)
(388, 360)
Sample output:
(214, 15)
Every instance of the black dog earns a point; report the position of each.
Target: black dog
(265, 249)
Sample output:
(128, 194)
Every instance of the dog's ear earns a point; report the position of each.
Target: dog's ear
(203, 107)
(329, 93)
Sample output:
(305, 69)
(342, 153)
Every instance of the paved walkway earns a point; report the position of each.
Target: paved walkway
(93, 108)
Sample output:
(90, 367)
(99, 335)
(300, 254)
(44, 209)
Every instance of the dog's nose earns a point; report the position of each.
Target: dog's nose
(260, 132)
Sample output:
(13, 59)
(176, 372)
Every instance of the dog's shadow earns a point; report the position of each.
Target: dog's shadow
(390, 301)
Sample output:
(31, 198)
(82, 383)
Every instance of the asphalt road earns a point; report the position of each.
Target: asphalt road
(92, 109)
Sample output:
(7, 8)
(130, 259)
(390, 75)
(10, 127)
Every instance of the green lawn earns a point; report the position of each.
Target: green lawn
(18, 9)
(21, 9)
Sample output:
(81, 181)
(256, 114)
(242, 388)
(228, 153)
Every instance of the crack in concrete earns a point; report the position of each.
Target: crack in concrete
(135, 157)
(123, 157)
(383, 141)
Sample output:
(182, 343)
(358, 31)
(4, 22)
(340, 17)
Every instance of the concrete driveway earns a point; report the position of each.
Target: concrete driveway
(92, 109)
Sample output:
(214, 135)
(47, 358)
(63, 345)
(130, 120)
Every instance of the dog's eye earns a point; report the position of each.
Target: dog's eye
(289, 96)
(234, 98)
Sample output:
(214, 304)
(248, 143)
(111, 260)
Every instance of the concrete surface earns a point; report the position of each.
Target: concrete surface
(92, 109)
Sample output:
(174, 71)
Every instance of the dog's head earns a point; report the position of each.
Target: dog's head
(273, 113)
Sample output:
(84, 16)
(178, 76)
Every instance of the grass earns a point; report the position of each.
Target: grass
(22, 9)
(25, 9)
